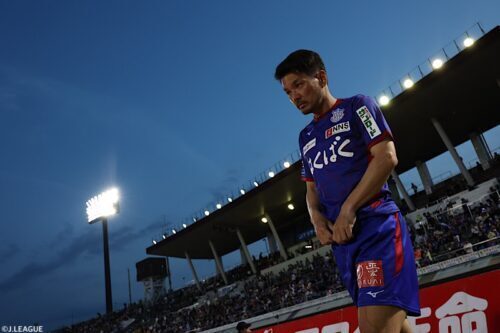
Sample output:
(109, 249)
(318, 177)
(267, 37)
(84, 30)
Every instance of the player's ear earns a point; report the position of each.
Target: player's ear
(322, 78)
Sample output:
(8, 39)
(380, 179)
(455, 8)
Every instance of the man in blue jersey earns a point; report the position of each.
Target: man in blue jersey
(348, 154)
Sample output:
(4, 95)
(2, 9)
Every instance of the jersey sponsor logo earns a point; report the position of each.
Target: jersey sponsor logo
(308, 146)
(336, 129)
(368, 121)
(323, 158)
(337, 114)
(370, 274)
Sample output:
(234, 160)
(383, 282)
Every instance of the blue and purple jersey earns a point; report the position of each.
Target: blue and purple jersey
(335, 152)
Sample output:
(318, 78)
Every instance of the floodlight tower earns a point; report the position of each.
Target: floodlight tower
(99, 208)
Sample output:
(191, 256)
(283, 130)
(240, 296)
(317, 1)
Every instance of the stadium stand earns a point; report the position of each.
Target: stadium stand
(464, 223)
(455, 225)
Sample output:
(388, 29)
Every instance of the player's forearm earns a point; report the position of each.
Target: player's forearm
(314, 209)
(376, 175)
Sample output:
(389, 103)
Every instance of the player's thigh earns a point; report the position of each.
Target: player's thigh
(406, 327)
(381, 319)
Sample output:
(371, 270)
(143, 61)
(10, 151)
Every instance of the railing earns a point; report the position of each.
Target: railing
(398, 87)
(432, 63)
(491, 242)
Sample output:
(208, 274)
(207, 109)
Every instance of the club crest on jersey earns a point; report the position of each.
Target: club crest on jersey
(337, 114)
(336, 129)
(368, 121)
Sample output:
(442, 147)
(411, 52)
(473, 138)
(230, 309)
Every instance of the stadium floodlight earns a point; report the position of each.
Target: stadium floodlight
(286, 164)
(184, 225)
(383, 100)
(219, 206)
(207, 213)
(229, 199)
(271, 174)
(194, 219)
(99, 208)
(154, 242)
(291, 206)
(164, 236)
(173, 231)
(242, 191)
(263, 220)
(468, 41)
(437, 63)
(256, 184)
(408, 83)
(103, 205)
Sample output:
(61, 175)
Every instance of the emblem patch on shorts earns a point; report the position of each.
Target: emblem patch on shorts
(370, 274)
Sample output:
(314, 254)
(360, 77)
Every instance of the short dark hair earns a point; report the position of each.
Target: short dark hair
(242, 325)
(300, 61)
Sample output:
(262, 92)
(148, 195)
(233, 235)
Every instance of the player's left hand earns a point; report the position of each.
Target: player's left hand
(342, 228)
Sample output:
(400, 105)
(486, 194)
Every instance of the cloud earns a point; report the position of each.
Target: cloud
(87, 243)
(8, 252)
(227, 185)
(81, 105)
(122, 237)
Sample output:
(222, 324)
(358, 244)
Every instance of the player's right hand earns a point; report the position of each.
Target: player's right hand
(323, 230)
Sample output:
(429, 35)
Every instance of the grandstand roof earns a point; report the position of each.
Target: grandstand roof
(245, 213)
(463, 96)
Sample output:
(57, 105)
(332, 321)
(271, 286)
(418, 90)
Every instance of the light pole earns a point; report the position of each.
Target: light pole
(99, 208)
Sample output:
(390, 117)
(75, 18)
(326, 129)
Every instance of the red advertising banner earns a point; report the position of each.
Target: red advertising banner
(467, 305)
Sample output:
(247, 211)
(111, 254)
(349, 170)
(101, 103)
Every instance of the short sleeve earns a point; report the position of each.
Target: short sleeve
(305, 171)
(370, 121)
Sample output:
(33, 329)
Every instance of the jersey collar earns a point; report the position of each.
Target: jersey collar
(337, 103)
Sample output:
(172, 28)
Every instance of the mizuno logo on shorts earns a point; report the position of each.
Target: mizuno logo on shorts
(374, 293)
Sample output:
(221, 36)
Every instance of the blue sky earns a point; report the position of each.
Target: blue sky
(175, 103)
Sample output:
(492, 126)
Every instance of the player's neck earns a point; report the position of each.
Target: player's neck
(325, 106)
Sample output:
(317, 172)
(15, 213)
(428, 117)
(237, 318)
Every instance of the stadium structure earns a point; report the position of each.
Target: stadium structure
(459, 283)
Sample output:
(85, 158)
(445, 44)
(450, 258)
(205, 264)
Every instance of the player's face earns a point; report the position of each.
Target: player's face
(304, 91)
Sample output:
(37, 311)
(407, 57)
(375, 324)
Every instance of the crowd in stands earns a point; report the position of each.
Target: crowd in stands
(437, 236)
(453, 230)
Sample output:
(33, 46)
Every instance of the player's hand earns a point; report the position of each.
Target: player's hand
(323, 228)
(342, 228)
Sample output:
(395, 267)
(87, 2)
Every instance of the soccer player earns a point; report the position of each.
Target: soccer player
(348, 154)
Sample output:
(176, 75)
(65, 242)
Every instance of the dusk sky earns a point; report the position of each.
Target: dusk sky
(173, 102)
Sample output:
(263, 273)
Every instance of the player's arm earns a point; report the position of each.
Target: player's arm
(383, 162)
(322, 226)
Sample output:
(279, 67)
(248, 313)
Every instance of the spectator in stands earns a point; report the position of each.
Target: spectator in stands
(189, 309)
(493, 233)
(243, 327)
(418, 255)
(414, 188)
(468, 247)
